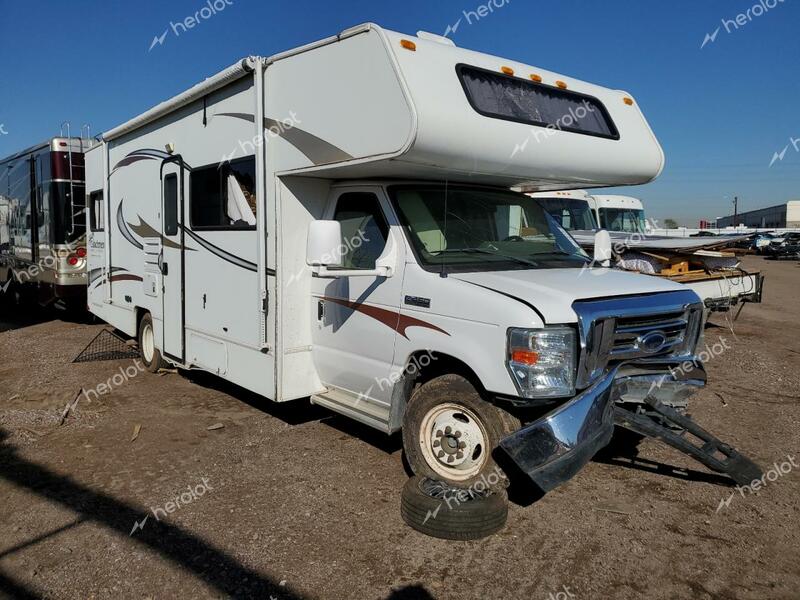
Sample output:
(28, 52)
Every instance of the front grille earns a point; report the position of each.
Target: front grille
(635, 327)
(631, 334)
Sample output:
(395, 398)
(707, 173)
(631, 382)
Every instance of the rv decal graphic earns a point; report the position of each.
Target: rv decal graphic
(224, 255)
(397, 321)
(97, 278)
(142, 154)
(317, 150)
(123, 228)
(146, 231)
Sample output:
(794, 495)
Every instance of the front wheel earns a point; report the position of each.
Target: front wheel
(151, 357)
(450, 432)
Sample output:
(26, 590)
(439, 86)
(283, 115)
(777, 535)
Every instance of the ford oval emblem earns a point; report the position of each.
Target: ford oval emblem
(652, 342)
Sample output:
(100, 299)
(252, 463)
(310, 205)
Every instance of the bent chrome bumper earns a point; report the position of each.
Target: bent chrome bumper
(554, 448)
(557, 446)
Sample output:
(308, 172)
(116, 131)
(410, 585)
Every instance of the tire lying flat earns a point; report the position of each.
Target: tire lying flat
(437, 510)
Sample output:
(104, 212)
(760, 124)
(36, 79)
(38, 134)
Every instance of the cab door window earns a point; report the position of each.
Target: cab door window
(364, 229)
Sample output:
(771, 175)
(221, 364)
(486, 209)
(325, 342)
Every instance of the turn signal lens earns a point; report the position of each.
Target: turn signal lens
(561, 84)
(507, 70)
(628, 101)
(408, 45)
(525, 357)
(536, 78)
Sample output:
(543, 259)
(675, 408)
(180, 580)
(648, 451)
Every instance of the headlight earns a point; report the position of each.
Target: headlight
(542, 361)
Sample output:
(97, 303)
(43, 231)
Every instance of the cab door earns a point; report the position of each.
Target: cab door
(171, 259)
(355, 318)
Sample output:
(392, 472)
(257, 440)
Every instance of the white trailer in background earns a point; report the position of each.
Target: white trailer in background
(321, 223)
(702, 264)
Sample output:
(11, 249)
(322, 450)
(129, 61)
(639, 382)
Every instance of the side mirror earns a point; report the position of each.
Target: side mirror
(324, 245)
(602, 248)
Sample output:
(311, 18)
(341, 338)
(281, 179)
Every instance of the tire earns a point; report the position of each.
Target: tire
(451, 513)
(450, 433)
(151, 356)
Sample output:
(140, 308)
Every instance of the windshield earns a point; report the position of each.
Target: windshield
(572, 215)
(475, 229)
(629, 220)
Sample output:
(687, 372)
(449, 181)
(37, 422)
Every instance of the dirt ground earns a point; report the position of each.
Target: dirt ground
(291, 501)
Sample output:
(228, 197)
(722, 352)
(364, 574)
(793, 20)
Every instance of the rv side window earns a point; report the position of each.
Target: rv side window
(364, 229)
(96, 214)
(511, 98)
(171, 204)
(224, 196)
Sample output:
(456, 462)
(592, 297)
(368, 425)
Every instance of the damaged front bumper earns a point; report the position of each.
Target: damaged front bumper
(554, 448)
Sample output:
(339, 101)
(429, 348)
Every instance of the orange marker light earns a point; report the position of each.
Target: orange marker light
(561, 84)
(507, 70)
(408, 45)
(525, 357)
(536, 78)
(628, 101)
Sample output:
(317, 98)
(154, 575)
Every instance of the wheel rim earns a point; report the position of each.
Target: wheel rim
(453, 441)
(148, 343)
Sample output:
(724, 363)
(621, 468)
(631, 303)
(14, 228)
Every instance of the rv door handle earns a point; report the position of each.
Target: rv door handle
(162, 266)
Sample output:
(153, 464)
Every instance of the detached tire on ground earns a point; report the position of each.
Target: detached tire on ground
(440, 511)
(151, 357)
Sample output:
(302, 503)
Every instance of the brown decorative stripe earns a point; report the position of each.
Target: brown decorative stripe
(390, 318)
(125, 277)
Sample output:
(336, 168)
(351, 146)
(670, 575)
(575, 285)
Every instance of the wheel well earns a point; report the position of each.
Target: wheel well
(140, 313)
(424, 365)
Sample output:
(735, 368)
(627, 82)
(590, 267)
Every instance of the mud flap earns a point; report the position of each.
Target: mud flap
(713, 453)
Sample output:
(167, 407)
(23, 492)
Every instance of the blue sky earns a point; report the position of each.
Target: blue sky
(720, 112)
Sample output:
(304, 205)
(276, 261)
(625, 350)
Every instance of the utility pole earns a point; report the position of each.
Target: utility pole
(735, 210)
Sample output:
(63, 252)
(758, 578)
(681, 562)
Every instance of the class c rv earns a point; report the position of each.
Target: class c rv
(336, 222)
(42, 223)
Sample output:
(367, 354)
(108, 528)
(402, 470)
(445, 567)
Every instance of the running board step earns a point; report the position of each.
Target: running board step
(714, 454)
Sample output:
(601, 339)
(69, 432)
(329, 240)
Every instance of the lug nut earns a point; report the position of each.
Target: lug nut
(441, 453)
(439, 433)
(459, 455)
(448, 430)
(436, 443)
(450, 458)
(457, 434)
(462, 445)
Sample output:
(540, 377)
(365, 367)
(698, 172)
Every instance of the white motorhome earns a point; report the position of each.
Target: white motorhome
(618, 213)
(321, 223)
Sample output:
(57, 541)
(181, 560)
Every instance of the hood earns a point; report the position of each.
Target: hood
(552, 291)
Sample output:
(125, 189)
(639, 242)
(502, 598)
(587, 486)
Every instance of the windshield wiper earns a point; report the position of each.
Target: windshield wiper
(523, 261)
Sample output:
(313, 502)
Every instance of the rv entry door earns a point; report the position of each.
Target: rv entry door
(171, 259)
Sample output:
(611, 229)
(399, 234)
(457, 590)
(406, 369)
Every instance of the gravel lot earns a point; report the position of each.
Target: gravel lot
(291, 501)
